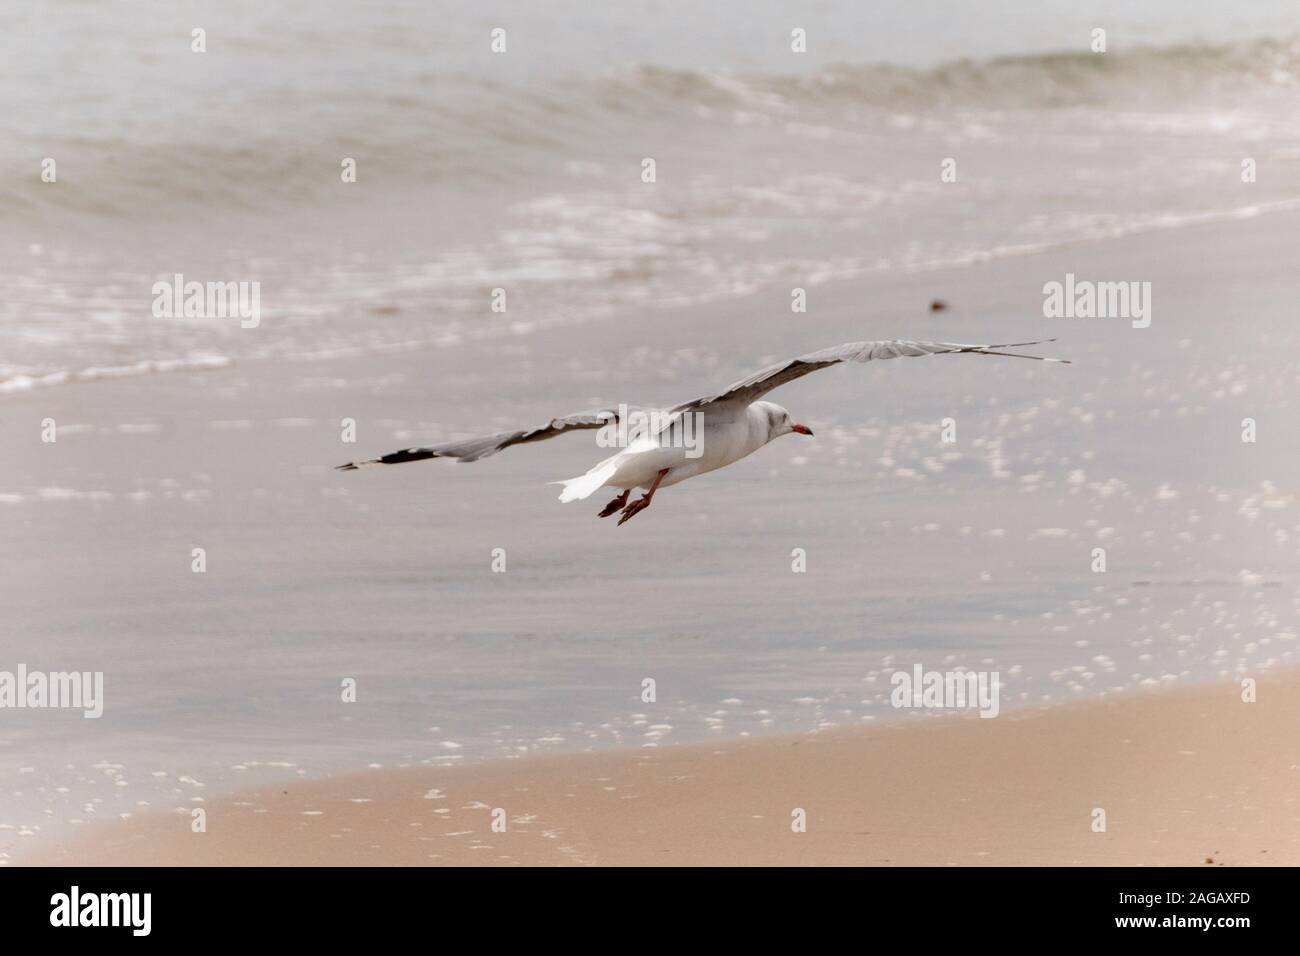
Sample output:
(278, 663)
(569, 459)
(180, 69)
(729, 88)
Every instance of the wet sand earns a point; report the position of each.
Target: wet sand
(229, 680)
(1185, 777)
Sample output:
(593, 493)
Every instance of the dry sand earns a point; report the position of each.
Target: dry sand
(1185, 777)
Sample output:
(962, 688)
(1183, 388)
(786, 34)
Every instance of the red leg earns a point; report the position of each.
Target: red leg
(644, 501)
(616, 505)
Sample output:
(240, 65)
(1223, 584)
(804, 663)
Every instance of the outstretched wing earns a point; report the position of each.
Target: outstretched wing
(472, 449)
(760, 383)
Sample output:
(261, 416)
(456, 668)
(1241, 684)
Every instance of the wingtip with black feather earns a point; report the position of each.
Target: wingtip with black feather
(993, 350)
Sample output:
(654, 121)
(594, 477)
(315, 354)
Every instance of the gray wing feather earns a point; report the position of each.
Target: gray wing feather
(474, 449)
(746, 390)
(761, 382)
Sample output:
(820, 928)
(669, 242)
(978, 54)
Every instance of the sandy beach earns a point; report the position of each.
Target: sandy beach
(1185, 777)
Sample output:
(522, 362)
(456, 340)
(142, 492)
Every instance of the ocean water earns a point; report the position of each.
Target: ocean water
(522, 171)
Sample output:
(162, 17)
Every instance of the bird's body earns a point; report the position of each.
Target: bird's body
(667, 447)
(729, 432)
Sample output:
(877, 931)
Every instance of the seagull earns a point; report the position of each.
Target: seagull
(661, 447)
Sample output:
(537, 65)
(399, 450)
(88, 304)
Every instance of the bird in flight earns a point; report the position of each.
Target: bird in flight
(661, 447)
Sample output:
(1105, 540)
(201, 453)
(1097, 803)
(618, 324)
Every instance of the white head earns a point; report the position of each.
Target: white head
(778, 420)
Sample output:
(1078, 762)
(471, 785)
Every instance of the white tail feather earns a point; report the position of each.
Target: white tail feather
(585, 485)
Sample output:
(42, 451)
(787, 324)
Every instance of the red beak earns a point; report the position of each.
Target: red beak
(803, 430)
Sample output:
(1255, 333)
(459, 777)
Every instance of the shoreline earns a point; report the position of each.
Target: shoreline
(25, 383)
(1185, 776)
